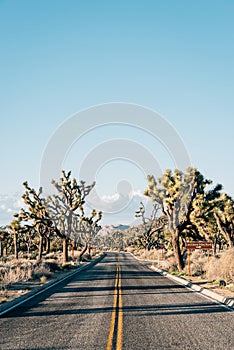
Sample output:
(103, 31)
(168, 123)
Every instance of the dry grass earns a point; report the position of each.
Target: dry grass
(221, 266)
(198, 261)
(161, 258)
(23, 270)
(20, 276)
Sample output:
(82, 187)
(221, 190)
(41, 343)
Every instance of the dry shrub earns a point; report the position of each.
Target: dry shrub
(13, 274)
(154, 254)
(22, 270)
(146, 254)
(165, 260)
(41, 270)
(51, 255)
(52, 266)
(170, 263)
(140, 253)
(130, 249)
(43, 279)
(222, 266)
(198, 263)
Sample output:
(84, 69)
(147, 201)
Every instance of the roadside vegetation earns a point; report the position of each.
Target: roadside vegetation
(48, 234)
(54, 233)
(186, 207)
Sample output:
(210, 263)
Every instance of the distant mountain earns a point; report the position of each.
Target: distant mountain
(121, 227)
(126, 215)
(108, 229)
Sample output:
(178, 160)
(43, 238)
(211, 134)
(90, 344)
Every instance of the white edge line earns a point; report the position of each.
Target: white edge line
(195, 291)
(167, 275)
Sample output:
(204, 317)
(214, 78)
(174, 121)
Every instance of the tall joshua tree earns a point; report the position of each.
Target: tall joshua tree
(15, 228)
(176, 193)
(86, 229)
(151, 227)
(37, 214)
(67, 205)
(224, 216)
(6, 240)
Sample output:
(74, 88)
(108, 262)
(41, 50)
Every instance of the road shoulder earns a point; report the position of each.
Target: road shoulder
(37, 289)
(209, 293)
(225, 300)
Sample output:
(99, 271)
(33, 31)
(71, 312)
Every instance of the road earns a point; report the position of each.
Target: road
(119, 304)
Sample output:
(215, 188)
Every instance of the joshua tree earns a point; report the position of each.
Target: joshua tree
(176, 193)
(67, 205)
(36, 214)
(5, 240)
(86, 229)
(151, 227)
(15, 228)
(224, 216)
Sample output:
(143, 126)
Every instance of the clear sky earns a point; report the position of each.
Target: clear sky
(59, 57)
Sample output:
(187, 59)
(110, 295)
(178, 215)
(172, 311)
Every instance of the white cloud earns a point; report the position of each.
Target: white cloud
(8, 205)
(119, 209)
(19, 203)
(138, 193)
(110, 198)
(116, 209)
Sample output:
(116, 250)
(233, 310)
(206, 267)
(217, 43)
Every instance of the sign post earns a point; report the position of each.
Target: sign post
(197, 245)
(162, 246)
(189, 272)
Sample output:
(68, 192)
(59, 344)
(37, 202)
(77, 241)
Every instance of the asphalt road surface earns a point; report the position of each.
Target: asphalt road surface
(119, 304)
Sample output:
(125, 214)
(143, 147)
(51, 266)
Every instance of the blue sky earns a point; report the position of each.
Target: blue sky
(59, 57)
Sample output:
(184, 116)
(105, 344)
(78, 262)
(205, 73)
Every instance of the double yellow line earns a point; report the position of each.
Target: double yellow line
(117, 315)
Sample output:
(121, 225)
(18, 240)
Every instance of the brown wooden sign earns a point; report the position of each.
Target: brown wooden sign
(198, 245)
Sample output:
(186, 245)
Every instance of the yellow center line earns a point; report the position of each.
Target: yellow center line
(120, 317)
(116, 310)
(113, 315)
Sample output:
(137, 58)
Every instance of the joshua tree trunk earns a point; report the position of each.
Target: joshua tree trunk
(224, 230)
(215, 246)
(65, 250)
(47, 245)
(16, 246)
(1, 250)
(177, 251)
(83, 251)
(40, 248)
